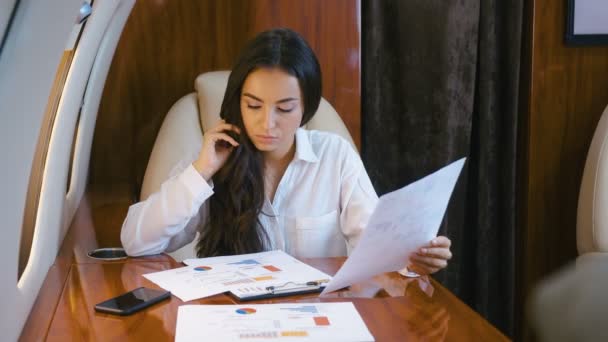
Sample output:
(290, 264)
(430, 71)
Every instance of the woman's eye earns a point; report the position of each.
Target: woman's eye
(253, 107)
(285, 110)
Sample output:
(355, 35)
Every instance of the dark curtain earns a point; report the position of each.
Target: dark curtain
(439, 82)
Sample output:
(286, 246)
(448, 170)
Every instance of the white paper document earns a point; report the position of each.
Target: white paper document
(403, 221)
(271, 322)
(245, 274)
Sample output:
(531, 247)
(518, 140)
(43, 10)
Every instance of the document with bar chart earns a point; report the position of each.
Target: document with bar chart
(245, 275)
(275, 322)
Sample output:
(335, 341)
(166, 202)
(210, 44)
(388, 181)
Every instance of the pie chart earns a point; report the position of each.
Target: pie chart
(202, 268)
(245, 311)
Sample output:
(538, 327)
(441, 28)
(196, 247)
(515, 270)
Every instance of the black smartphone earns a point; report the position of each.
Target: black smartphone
(132, 301)
(108, 254)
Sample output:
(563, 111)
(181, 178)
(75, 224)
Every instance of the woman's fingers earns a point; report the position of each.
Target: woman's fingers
(223, 126)
(441, 241)
(433, 256)
(438, 252)
(223, 136)
(217, 145)
(430, 262)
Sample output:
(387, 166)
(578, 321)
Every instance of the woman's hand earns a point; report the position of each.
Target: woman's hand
(432, 257)
(217, 146)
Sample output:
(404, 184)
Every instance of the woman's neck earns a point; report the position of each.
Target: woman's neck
(274, 169)
(279, 160)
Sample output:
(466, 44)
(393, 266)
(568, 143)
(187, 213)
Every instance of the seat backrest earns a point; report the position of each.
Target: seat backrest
(592, 214)
(571, 304)
(181, 133)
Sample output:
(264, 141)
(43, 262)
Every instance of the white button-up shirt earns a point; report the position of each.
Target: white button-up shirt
(320, 208)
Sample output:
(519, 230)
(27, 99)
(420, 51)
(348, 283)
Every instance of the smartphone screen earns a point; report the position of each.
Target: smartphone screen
(132, 301)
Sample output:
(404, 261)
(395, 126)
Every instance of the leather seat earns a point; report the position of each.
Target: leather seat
(571, 305)
(592, 214)
(181, 133)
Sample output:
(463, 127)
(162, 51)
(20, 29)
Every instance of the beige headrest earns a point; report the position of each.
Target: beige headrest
(210, 88)
(592, 215)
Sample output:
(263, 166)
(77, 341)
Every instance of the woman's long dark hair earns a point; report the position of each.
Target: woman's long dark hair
(233, 225)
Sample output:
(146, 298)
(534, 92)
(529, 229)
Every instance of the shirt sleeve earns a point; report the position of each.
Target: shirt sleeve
(169, 218)
(357, 197)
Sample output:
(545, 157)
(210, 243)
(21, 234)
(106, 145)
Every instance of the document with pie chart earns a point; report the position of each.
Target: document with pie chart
(243, 275)
(304, 322)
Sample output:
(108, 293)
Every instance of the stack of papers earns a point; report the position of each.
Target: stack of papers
(275, 322)
(402, 222)
(245, 275)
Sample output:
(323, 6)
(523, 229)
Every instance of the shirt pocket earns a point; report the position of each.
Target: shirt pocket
(319, 236)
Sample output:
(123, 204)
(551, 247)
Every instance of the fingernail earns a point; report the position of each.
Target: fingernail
(424, 250)
(433, 242)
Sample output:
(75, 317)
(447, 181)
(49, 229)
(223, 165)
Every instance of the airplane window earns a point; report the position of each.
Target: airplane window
(40, 156)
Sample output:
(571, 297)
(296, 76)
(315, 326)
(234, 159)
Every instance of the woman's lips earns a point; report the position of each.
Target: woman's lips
(266, 138)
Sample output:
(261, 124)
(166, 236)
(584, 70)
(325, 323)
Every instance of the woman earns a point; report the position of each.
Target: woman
(260, 182)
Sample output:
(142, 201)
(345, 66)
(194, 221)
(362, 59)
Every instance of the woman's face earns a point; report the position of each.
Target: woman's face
(271, 106)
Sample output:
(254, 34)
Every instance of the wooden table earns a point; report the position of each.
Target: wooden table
(393, 307)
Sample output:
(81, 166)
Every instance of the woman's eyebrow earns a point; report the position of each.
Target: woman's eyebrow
(288, 99)
(253, 97)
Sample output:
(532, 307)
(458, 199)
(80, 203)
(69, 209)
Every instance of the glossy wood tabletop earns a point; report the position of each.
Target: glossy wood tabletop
(393, 307)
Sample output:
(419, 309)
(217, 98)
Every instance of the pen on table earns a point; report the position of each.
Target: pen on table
(313, 283)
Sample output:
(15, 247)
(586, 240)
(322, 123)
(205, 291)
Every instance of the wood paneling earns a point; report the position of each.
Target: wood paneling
(166, 44)
(566, 93)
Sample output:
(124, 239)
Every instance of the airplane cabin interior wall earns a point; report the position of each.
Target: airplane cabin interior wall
(28, 65)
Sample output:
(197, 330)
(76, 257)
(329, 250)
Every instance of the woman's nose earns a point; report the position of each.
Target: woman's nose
(269, 119)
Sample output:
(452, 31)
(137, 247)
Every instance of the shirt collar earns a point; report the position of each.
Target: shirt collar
(304, 149)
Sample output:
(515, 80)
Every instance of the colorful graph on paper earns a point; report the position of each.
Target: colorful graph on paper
(248, 274)
(276, 322)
